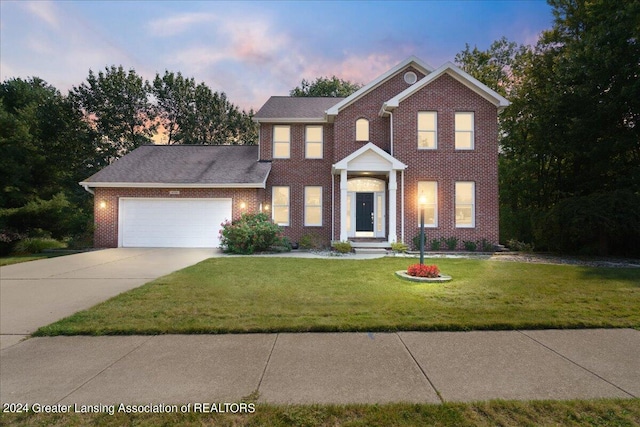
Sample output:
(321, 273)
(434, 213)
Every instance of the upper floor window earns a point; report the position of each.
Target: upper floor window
(465, 204)
(313, 142)
(427, 130)
(428, 200)
(281, 142)
(362, 130)
(464, 131)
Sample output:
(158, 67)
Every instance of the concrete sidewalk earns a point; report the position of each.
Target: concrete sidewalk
(427, 367)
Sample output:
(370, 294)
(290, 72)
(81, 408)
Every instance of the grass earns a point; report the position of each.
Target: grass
(606, 412)
(15, 259)
(236, 295)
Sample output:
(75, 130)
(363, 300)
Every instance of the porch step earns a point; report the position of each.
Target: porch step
(370, 250)
(370, 244)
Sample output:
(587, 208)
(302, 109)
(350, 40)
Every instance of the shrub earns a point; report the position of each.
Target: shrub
(516, 245)
(311, 241)
(470, 245)
(34, 245)
(342, 247)
(421, 270)
(451, 242)
(435, 244)
(486, 246)
(399, 247)
(416, 242)
(250, 233)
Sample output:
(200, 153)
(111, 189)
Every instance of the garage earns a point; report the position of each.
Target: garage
(176, 223)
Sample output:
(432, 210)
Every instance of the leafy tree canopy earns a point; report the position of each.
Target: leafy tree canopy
(325, 86)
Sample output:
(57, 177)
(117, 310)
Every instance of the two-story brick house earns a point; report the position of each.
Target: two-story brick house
(336, 168)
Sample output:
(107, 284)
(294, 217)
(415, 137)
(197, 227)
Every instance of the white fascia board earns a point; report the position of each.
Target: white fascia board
(412, 60)
(458, 74)
(170, 185)
(343, 164)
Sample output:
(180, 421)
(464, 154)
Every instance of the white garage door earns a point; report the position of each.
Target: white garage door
(172, 223)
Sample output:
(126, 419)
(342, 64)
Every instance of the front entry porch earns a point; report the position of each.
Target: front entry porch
(368, 194)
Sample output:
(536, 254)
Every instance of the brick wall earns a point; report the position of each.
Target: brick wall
(447, 165)
(106, 219)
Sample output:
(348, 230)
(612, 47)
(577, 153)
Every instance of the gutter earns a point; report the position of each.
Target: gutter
(86, 187)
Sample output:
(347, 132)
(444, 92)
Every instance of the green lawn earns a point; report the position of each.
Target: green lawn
(256, 294)
(15, 259)
(606, 412)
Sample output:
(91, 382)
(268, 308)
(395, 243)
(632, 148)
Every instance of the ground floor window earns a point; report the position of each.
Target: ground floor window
(428, 192)
(465, 204)
(312, 206)
(280, 199)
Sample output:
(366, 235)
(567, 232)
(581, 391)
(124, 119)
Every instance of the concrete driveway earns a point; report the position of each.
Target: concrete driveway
(36, 293)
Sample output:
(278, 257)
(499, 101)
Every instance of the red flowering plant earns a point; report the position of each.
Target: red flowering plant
(421, 270)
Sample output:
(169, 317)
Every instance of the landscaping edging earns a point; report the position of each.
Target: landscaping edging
(442, 278)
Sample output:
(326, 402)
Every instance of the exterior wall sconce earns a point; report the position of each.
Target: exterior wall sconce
(102, 204)
(243, 205)
(266, 207)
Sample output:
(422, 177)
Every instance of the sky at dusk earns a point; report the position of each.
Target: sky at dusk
(250, 50)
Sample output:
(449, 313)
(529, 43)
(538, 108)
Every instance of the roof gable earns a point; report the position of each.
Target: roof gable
(411, 61)
(369, 153)
(466, 79)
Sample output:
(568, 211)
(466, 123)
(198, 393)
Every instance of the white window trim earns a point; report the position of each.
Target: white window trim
(434, 131)
(274, 142)
(306, 206)
(435, 206)
(307, 142)
(473, 205)
(274, 206)
(472, 131)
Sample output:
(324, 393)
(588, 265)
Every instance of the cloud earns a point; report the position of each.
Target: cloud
(45, 11)
(171, 26)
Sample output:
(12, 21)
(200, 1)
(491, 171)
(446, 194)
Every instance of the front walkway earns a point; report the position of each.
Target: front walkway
(425, 367)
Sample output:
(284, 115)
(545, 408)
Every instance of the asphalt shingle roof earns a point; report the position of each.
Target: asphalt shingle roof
(187, 164)
(292, 107)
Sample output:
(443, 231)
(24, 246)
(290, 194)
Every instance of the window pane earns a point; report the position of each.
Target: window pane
(426, 120)
(313, 150)
(429, 190)
(280, 195)
(362, 130)
(464, 121)
(314, 133)
(464, 192)
(313, 216)
(281, 215)
(312, 195)
(464, 140)
(281, 133)
(281, 150)
(426, 139)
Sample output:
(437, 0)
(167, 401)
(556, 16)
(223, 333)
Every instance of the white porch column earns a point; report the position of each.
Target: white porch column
(343, 205)
(393, 188)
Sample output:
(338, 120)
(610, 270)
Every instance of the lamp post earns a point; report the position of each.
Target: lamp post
(422, 202)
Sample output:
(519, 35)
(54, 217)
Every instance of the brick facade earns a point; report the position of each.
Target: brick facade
(392, 129)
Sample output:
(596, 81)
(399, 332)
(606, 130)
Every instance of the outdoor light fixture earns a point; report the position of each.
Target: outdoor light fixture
(243, 205)
(422, 203)
(266, 207)
(103, 204)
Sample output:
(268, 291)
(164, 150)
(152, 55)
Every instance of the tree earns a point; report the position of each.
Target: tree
(116, 103)
(194, 114)
(325, 86)
(570, 144)
(45, 149)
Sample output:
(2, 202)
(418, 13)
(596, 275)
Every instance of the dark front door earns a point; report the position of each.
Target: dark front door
(364, 211)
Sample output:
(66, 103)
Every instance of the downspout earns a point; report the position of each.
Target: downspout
(391, 124)
(86, 187)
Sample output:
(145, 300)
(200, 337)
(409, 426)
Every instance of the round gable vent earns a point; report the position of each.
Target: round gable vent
(410, 77)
